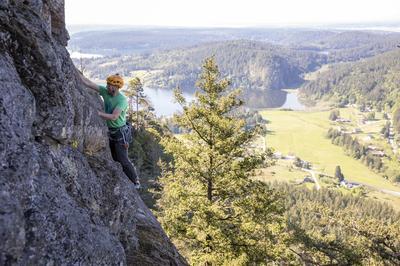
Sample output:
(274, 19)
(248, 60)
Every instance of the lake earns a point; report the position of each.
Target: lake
(292, 101)
(78, 55)
(163, 100)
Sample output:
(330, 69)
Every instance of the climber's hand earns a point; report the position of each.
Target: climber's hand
(88, 83)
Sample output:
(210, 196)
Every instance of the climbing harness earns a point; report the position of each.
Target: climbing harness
(122, 134)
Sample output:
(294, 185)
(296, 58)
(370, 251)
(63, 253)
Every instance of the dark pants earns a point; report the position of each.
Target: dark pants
(120, 154)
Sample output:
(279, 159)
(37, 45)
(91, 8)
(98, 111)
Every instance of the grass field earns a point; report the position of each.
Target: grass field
(281, 171)
(303, 134)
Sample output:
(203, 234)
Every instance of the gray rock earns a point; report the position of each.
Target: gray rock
(63, 200)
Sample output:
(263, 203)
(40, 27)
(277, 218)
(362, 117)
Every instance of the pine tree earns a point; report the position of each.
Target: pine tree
(335, 114)
(136, 96)
(209, 206)
(385, 131)
(338, 174)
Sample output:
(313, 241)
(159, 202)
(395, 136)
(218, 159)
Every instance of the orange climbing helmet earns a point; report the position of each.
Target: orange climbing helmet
(115, 80)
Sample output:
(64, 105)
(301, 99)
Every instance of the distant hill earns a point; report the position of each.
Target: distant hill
(263, 62)
(374, 81)
(356, 45)
(75, 28)
(149, 40)
(253, 66)
(139, 41)
(339, 45)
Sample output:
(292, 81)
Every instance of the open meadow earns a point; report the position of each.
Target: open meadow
(302, 134)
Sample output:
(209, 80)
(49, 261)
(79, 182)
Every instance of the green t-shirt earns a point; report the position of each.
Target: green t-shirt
(110, 103)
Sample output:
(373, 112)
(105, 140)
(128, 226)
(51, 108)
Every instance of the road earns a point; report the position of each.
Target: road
(385, 191)
(314, 177)
(317, 185)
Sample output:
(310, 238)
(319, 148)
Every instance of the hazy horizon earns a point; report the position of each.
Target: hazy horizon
(223, 13)
(368, 26)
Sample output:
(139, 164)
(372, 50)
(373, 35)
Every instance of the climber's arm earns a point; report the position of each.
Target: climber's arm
(114, 116)
(88, 83)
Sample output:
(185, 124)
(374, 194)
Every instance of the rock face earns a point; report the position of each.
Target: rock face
(63, 200)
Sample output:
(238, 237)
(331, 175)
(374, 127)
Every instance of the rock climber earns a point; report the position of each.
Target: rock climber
(119, 132)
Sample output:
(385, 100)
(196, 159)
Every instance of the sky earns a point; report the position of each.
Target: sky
(235, 13)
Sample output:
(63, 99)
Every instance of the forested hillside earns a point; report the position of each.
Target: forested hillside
(253, 65)
(374, 82)
(355, 45)
(260, 70)
(148, 40)
(340, 44)
(279, 59)
(331, 228)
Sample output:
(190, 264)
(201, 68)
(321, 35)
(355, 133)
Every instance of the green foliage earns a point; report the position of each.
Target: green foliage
(396, 120)
(146, 151)
(338, 174)
(252, 65)
(330, 228)
(252, 119)
(301, 164)
(372, 82)
(385, 131)
(355, 148)
(297, 162)
(342, 46)
(261, 69)
(137, 98)
(209, 206)
(135, 88)
(335, 114)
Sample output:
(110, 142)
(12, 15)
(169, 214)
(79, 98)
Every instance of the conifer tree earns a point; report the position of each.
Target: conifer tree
(334, 115)
(210, 207)
(338, 173)
(136, 96)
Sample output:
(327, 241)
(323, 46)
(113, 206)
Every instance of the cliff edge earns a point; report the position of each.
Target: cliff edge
(64, 201)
